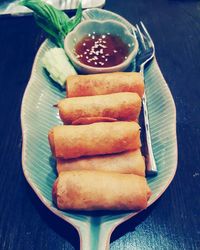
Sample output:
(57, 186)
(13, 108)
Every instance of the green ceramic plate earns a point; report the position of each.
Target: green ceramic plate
(38, 116)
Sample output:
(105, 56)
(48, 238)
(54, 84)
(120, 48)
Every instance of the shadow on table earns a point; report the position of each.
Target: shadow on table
(131, 224)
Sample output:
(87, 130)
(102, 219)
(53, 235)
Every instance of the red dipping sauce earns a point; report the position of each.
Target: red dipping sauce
(101, 50)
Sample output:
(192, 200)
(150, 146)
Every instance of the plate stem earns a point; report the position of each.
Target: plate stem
(95, 235)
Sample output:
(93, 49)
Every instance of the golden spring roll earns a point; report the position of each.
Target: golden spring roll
(96, 190)
(130, 162)
(123, 106)
(108, 83)
(71, 141)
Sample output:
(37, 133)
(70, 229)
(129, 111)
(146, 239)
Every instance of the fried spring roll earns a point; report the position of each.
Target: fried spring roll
(121, 106)
(71, 141)
(96, 190)
(131, 162)
(108, 83)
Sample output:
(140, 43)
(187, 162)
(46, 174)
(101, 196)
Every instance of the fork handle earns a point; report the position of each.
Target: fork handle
(151, 168)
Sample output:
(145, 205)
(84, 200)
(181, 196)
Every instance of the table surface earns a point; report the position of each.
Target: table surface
(173, 221)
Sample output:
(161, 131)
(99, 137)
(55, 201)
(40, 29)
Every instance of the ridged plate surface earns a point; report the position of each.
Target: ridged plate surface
(38, 116)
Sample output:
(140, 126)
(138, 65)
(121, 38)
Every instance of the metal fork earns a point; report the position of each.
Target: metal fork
(145, 55)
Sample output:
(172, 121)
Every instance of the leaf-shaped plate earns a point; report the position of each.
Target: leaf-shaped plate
(38, 116)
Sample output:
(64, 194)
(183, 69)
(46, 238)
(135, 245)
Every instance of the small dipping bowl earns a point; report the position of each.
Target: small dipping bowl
(91, 29)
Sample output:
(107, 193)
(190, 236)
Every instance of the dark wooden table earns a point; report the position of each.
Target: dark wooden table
(173, 221)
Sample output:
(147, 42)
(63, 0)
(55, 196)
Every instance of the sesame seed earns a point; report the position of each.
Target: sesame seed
(102, 46)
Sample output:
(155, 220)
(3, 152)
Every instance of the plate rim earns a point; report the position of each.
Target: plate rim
(57, 212)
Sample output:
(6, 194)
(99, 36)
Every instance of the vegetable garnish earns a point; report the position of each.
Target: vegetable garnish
(53, 21)
(55, 61)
